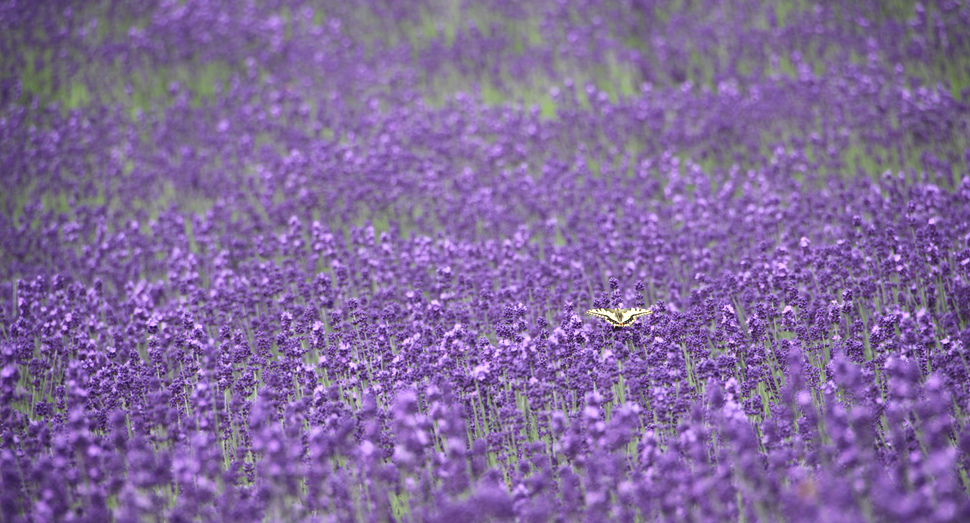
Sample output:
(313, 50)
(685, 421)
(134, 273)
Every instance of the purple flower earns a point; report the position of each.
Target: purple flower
(318, 284)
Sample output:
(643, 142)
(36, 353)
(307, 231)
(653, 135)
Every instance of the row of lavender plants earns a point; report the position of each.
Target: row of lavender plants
(315, 261)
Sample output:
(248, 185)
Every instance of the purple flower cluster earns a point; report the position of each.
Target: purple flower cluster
(326, 261)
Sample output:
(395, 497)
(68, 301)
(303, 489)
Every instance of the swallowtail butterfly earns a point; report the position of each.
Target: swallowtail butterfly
(619, 317)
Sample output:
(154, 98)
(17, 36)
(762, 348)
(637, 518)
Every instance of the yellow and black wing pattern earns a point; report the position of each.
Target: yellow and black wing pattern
(619, 317)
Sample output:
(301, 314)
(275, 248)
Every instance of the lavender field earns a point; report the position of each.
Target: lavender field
(318, 260)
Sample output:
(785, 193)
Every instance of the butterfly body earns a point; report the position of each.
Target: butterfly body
(619, 317)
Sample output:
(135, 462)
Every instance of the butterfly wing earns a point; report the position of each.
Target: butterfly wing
(609, 315)
(627, 316)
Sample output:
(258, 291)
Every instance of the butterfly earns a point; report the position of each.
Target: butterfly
(619, 317)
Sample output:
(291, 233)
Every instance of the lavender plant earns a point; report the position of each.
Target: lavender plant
(325, 261)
